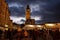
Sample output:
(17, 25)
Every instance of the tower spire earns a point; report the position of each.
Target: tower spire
(28, 15)
(27, 12)
(28, 7)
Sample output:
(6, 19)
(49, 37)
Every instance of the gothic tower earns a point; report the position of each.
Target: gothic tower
(28, 16)
(27, 12)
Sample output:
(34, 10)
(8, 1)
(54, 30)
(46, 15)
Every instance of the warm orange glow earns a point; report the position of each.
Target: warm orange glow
(6, 25)
(39, 26)
(6, 28)
(19, 29)
(30, 25)
(50, 24)
(58, 23)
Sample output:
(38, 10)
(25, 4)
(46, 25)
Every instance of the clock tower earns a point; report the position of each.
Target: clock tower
(28, 21)
(27, 12)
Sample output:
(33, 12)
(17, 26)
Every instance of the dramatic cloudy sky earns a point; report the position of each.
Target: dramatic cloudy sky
(41, 10)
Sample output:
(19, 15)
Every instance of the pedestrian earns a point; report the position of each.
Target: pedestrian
(26, 35)
(1, 34)
(17, 36)
(36, 34)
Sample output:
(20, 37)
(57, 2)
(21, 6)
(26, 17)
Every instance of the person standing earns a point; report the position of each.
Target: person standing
(17, 36)
(36, 34)
(26, 35)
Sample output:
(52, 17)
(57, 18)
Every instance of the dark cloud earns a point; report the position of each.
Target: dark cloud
(17, 12)
(49, 9)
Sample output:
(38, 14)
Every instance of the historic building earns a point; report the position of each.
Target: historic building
(4, 14)
(28, 16)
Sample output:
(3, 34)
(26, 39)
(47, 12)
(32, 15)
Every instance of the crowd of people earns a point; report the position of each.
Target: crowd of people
(34, 34)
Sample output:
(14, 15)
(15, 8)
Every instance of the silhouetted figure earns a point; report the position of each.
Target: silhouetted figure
(1, 33)
(36, 34)
(18, 35)
(26, 35)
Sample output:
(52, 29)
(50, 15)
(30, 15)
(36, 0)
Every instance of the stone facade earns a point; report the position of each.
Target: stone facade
(4, 14)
